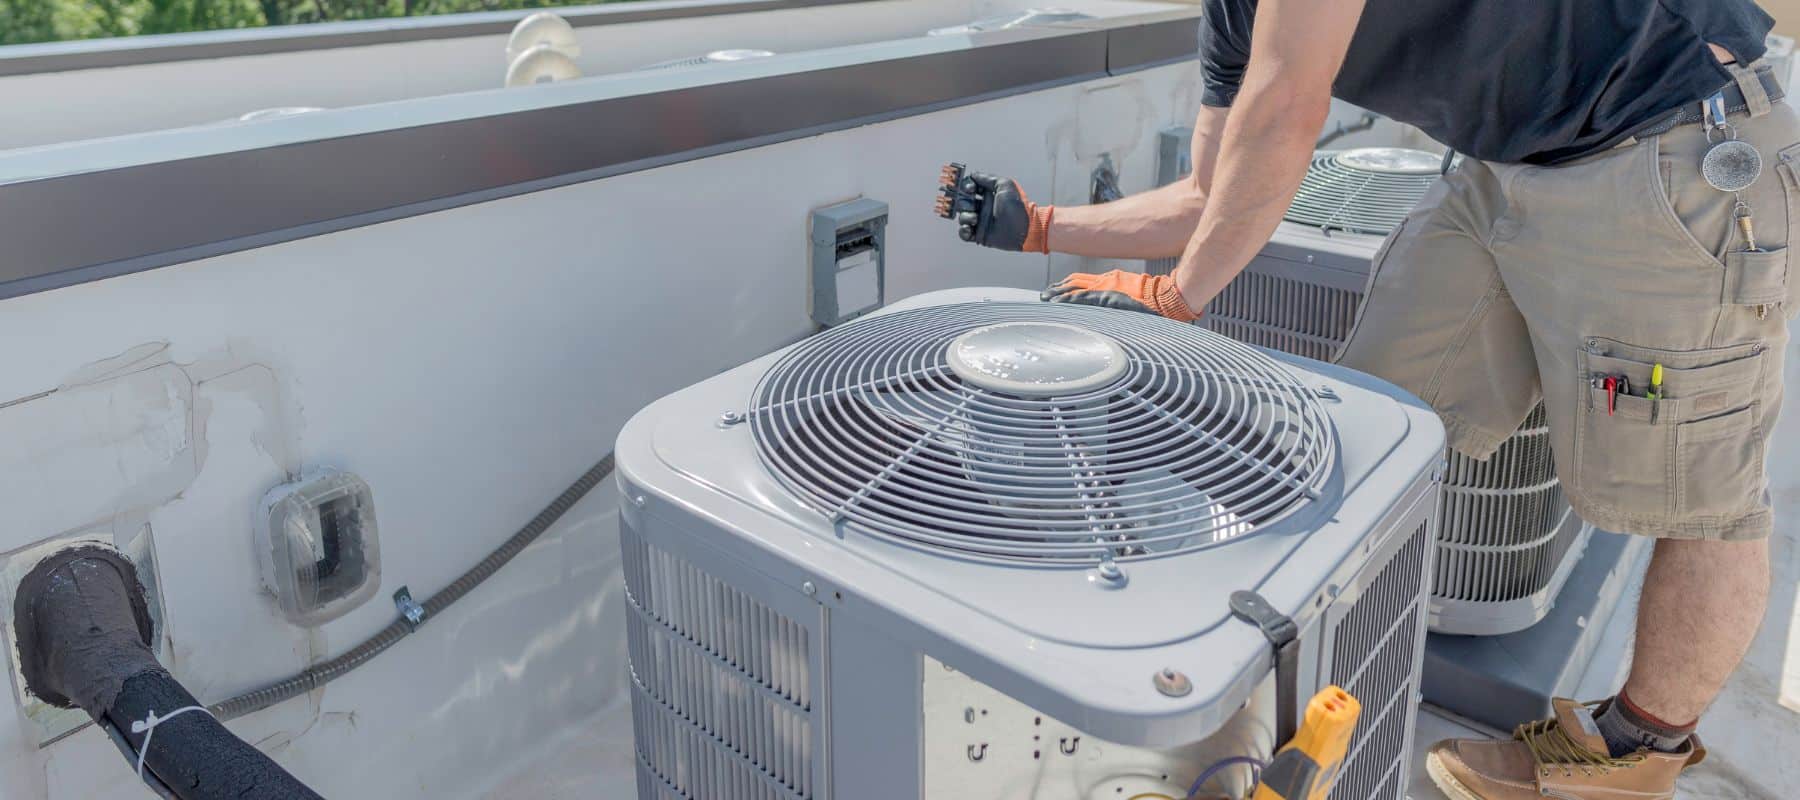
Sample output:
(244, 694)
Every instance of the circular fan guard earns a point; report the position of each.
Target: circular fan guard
(1198, 441)
(1365, 191)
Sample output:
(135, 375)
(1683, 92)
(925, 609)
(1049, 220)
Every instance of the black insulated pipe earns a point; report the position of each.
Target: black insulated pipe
(84, 640)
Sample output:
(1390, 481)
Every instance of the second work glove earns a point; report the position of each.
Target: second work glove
(992, 211)
(1128, 291)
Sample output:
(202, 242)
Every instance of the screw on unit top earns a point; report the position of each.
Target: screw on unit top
(1172, 682)
(1107, 574)
(730, 418)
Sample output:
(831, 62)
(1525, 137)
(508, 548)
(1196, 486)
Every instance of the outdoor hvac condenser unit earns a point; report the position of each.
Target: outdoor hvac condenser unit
(1507, 539)
(979, 546)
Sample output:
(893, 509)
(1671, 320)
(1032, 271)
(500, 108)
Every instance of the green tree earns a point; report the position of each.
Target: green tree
(175, 16)
(27, 21)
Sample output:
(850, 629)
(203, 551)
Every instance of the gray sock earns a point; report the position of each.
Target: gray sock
(1626, 730)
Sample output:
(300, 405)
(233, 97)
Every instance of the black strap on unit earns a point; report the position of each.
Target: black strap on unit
(1284, 639)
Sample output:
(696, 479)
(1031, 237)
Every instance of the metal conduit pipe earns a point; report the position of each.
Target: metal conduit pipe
(84, 633)
(84, 640)
(321, 674)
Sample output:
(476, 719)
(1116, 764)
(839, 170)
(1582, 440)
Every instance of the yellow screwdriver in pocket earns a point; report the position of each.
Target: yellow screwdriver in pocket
(1655, 393)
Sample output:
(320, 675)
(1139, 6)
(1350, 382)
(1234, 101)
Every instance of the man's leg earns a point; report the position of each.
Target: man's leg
(1437, 322)
(1701, 605)
(1659, 342)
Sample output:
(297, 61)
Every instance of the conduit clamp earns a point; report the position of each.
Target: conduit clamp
(412, 612)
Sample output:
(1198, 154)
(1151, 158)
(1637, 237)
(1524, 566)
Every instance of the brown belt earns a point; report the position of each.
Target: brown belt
(1690, 113)
(1735, 103)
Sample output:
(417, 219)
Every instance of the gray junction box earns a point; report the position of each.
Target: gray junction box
(848, 264)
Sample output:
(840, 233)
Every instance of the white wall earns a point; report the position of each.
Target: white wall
(469, 364)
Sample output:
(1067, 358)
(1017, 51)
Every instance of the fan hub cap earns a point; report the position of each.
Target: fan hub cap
(1036, 359)
(1390, 161)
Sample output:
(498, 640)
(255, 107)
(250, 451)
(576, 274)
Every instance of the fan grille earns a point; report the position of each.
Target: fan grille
(1199, 440)
(1341, 190)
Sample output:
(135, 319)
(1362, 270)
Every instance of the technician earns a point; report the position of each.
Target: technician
(1613, 243)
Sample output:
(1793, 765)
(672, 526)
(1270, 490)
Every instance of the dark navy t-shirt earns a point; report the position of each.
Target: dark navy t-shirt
(1532, 81)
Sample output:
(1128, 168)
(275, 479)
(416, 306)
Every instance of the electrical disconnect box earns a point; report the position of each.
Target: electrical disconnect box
(849, 241)
(317, 543)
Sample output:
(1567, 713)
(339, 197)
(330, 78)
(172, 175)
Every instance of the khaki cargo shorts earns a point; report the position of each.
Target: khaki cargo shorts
(1512, 283)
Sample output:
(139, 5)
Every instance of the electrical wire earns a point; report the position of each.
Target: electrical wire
(318, 675)
(1363, 123)
(1255, 765)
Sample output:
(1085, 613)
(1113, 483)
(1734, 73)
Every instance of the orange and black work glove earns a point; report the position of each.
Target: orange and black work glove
(1129, 291)
(992, 211)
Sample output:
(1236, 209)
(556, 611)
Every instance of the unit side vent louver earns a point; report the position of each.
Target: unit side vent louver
(1041, 432)
(1375, 653)
(1366, 191)
(722, 702)
(1480, 562)
(1305, 319)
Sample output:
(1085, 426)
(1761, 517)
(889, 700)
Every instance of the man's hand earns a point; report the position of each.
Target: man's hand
(1129, 291)
(992, 211)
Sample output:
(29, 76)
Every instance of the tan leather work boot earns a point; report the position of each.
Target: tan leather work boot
(1561, 757)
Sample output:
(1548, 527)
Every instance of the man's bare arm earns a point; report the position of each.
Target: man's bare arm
(1295, 54)
(1154, 224)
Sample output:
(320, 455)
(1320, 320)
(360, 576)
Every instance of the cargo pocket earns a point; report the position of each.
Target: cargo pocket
(1693, 451)
(1757, 278)
(1785, 163)
(1719, 464)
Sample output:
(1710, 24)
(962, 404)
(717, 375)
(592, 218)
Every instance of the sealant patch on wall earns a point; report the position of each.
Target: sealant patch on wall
(130, 537)
(1097, 115)
(117, 436)
(1094, 132)
(96, 457)
(86, 462)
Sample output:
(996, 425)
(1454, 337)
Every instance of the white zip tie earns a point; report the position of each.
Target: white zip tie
(147, 727)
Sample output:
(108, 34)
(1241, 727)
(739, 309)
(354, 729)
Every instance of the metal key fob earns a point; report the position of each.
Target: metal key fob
(1730, 164)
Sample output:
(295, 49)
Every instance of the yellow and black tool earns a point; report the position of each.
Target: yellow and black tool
(1307, 766)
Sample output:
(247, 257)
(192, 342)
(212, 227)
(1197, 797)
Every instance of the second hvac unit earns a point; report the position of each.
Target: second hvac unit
(1508, 539)
(981, 546)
